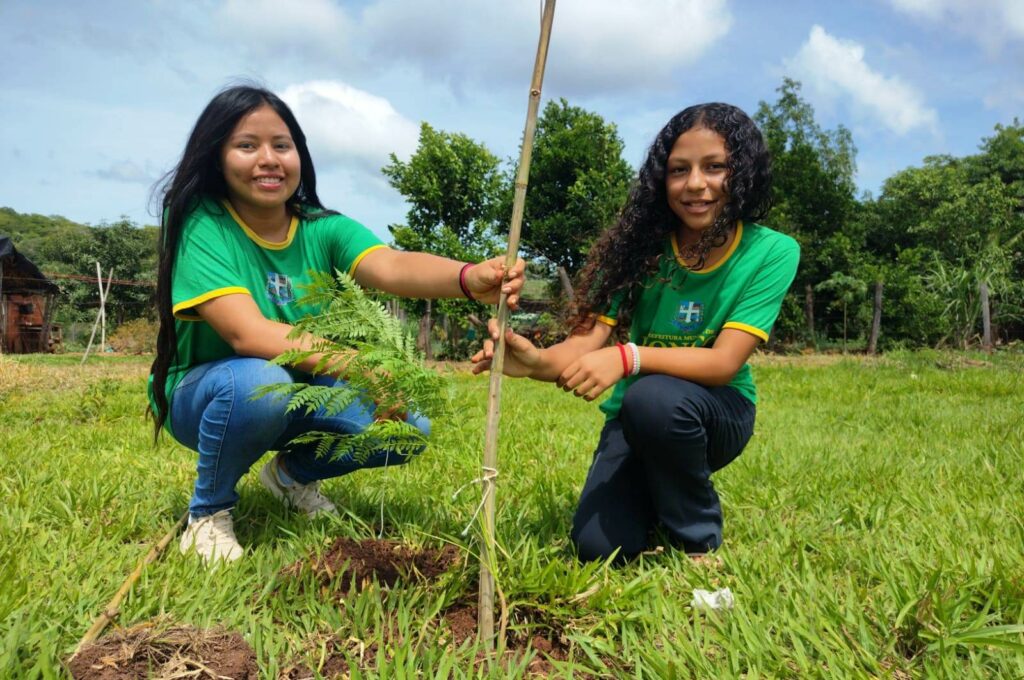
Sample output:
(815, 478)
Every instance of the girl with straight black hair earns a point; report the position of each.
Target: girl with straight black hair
(242, 227)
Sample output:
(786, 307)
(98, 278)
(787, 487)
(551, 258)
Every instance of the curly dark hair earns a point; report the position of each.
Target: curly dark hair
(627, 252)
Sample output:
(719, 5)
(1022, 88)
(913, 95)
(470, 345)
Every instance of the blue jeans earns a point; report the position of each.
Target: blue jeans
(212, 412)
(653, 464)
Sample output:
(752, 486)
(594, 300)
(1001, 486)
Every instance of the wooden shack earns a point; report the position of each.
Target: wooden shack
(26, 304)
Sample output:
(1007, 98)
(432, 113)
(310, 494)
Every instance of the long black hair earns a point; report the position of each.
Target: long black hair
(199, 175)
(626, 253)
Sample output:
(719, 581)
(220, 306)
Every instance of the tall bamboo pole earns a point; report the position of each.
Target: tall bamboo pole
(485, 602)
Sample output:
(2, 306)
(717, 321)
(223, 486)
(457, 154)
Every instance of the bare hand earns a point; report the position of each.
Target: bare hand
(521, 357)
(594, 372)
(487, 280)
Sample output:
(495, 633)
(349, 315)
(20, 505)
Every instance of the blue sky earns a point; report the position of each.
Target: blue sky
(98, 97)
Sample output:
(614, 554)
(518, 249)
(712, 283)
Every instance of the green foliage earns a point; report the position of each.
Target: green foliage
(813, 172)
(381, 364)
(57, 245)
(872, 529)
(34, 234)
(452, 185)
(846, 290)
(578, 183)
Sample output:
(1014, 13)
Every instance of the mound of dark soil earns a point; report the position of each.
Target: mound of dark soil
(528, 629)
(386, 561)
(154, 651)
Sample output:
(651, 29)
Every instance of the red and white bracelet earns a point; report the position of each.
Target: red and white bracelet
(636, 358)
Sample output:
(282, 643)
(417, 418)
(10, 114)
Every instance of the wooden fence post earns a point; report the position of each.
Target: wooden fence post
(563, 276)
(986, 318)
(101, 316)
(876, 320)
(809, 313)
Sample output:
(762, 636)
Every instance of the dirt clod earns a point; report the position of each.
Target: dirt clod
(154, 650)
(386, 561)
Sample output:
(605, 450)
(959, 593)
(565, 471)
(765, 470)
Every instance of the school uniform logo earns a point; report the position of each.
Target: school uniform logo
(689, 316)
(279, 289)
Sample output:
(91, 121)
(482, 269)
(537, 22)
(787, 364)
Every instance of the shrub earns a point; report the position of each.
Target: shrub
(137, 336)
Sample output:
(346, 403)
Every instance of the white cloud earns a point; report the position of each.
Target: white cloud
(126, 171)
(349, 128)
(835, 68)
(990, 22)
(270, 28)
(596, 46)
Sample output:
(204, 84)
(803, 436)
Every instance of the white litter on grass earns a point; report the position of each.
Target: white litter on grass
(706, 600)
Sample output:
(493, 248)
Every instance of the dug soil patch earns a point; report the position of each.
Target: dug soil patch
(152, 651)
(361, 562)
(528, 631)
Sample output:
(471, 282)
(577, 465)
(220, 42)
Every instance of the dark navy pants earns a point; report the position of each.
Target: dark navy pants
(653, 464)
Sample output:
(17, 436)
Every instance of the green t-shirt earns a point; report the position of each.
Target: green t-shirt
(219, 254)
(683, 308)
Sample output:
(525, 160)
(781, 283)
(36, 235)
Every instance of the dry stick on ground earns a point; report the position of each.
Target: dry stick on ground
(111, 610)
(485, 602)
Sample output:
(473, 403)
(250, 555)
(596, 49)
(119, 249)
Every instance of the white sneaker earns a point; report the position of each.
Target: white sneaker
(212, 537)
(303, 497)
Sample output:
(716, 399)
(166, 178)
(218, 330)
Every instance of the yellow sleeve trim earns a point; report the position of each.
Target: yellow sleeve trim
(179, 309)
(747, 328)
(608, 320)
(356, 262)
(259, 240)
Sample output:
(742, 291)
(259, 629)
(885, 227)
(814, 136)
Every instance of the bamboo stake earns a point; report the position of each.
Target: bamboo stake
(485, 601)
(111, 611)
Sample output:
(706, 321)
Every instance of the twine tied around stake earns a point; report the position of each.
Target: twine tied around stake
(487, 479)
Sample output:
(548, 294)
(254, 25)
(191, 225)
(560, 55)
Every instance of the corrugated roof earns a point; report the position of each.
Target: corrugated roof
(19, 274)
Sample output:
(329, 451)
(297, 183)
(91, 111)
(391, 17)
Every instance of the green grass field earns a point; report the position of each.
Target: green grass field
(874, 528)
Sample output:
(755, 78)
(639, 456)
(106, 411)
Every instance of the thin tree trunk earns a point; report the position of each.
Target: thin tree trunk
(876, 320)
(986, 318)
(423, 337)
(844, 328)
(809, 313)
(563, 276)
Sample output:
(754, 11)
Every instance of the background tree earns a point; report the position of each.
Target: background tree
(813, 172)
(847, 291)
(452, 185)
(578, 183)
(955, 226)
(123, 246)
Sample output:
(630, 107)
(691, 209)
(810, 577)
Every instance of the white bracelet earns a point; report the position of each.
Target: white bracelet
(636, 357)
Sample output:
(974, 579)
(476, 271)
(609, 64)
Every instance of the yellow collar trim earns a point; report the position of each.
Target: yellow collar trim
(728, 253)
(256, 238)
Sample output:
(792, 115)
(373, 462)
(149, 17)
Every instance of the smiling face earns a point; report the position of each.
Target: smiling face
(261, 165)
(695, 176)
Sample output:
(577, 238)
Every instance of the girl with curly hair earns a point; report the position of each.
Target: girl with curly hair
(693, 283)
(242, 229)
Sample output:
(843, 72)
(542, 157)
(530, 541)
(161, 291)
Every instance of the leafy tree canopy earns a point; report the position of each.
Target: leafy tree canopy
(578, 183)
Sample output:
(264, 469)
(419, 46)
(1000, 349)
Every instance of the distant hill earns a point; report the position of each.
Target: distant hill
(32, 233)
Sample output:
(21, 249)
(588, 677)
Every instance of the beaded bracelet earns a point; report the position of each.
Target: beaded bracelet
(462, 281)
(625, 362)
(636, 358)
